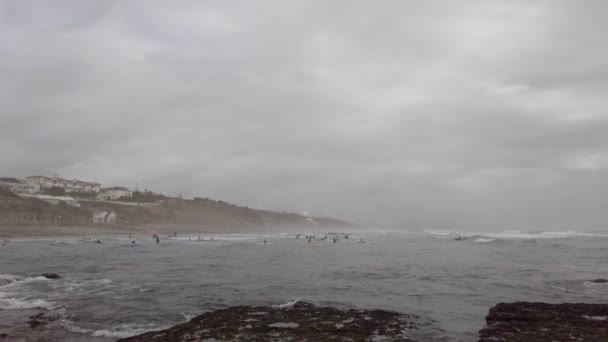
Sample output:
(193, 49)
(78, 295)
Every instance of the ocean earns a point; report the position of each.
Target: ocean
(112, 290)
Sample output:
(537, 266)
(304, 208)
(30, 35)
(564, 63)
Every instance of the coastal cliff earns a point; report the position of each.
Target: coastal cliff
(18, 216)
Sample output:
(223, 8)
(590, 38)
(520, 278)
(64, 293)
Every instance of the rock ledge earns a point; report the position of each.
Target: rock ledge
(540, 322)
(300, 322)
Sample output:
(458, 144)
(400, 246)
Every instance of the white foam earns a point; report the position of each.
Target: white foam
(10, 277)
(120, 331)
(15, 281)
(596, 318)
(482, 240)
(22, 304)
(287, 305)
(64, 242)
(437, 232)
(518, 234)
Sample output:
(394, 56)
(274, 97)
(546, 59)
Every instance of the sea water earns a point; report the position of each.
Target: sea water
(112, 290)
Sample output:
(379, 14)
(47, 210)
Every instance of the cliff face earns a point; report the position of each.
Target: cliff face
(15, 210)
(211, 214)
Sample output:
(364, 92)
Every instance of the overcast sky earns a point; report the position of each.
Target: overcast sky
(484, 115)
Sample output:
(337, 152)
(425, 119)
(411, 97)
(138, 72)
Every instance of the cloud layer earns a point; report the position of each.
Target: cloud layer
(468, 114)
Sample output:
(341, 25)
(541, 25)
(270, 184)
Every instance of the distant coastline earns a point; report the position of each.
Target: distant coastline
(30, 217)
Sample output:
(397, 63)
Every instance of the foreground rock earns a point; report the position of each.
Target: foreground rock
(540, 322)
(300, 322)
(51, 275)
(30, 325)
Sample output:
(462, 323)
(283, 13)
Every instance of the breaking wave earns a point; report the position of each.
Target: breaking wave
(438, 232)
(518, 234)
(119, 331)
(286, 305)
(9, 288)
(21, 304)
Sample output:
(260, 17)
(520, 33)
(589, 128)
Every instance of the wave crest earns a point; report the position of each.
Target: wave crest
(286, 305)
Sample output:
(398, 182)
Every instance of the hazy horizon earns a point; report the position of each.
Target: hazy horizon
(475, 115)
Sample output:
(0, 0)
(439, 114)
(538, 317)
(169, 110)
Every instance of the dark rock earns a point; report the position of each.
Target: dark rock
(4, 335)
(50, 275)
(600, 281)
(41, 320)
(301, 322)
(541, 322)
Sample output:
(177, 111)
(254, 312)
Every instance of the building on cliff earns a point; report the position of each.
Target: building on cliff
(114, 193)
(68, 185)
(18, 186)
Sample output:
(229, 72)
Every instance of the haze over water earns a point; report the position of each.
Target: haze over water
(111, 290)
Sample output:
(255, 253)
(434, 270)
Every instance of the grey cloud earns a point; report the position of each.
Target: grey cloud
(470, 114)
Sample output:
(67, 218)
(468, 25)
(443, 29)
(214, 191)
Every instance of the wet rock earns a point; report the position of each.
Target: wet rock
(41, 320)
(541, 322)
(29, 325)
(301, 322)
(600, 281)
(51, 275)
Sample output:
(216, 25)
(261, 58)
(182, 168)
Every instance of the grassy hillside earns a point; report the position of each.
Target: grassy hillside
(206, 213)
(200, 214)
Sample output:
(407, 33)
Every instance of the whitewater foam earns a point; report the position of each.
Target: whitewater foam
(517, 234)
(22, 304)
(482, 240)
(14, 281)
(120, 331)
(286, 305)
(438, 232)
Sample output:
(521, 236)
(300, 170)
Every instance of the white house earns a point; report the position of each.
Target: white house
(89, 186)
(18, 186)
(68, 185)
(114, 193)
(41, 181)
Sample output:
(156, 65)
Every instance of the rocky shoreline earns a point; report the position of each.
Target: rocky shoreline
(297, 322)
(515, 322)
(541, 322)
(506, 322)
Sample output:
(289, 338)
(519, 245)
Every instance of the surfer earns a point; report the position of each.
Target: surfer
(156, 238)
(361, 241)
(97, 241)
